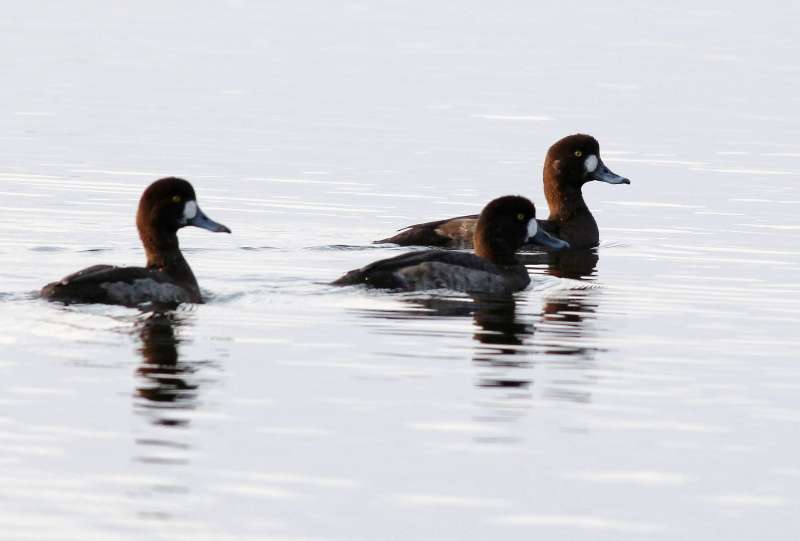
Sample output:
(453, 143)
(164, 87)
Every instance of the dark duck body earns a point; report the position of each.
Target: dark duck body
(166, 206)
(505, 225)
(570, 163)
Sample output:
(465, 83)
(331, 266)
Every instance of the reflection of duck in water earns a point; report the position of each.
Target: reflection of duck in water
(567, 312)
(164, 384)
(576, 264)
(500, 333)
(496, 316)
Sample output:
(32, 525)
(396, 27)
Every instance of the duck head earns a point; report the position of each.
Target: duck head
(575, 160)
(169, 204)
(166, 206)
(505, 225)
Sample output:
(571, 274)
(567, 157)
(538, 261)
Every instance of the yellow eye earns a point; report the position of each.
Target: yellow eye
(176, 198)
(578, 153)
(520, 217)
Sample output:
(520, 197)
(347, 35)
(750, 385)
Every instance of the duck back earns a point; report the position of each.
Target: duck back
(450, 233)
(439, 269)
(128, 286)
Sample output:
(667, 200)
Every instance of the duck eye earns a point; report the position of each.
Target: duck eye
(521, 217)
(578, 153)
(176, 198)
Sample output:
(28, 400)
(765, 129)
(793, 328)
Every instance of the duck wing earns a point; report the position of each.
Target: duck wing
(108, 284)
(450, 233)
(388, 273)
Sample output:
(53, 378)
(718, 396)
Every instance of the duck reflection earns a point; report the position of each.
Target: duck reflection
(166, 383)
(567, 313)
(507, 342)
(567, 322)
(501, 335)
(500, 332)
(574, 264)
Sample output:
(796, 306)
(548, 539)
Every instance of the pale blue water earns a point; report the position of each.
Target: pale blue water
(652, 394)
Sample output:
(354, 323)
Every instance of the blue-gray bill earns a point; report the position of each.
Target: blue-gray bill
(201, 220)
(543, 238)
(604, 174)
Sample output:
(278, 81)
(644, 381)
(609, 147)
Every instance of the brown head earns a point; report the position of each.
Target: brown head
(505, 225)
(570, 163)
(167, 205)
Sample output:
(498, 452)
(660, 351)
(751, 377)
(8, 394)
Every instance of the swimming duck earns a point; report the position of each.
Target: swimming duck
(570, 163)
(504, 225)
(166, 206)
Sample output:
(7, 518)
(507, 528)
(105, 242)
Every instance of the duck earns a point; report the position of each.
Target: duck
(503, 227)
(166, 205)
(570, 163)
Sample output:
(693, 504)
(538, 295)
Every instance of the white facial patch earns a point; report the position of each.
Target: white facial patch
(533, 228)
(189, 210)
(591, 163)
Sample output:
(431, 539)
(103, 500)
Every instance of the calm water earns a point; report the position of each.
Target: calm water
(650, 390)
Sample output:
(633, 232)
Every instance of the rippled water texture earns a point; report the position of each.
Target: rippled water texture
(650, 390)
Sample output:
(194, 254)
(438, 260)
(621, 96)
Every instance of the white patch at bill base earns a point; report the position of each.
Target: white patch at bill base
(591, 163)
(533, 228)
(189, 210)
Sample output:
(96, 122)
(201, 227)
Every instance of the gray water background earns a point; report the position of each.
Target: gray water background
(653, 395)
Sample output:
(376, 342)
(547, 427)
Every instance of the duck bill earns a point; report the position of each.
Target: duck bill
(540, 237)
(543, 238)
(604, 174)
(201, 220)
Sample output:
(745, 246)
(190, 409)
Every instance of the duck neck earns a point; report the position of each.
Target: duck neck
(164, 254)
(564, 199)
(494, 250)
